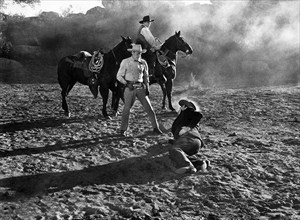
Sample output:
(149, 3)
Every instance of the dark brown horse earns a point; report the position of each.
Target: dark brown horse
(68, 75)
(165, 76)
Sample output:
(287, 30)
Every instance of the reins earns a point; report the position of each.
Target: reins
(177, 45)
(114, 55)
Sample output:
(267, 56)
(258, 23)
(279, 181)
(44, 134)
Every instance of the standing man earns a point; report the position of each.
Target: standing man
(148, 42)
(133, 73)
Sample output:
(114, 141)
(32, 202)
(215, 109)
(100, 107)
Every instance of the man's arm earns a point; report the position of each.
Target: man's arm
(121, 72)
(146, 78)
(196, 119)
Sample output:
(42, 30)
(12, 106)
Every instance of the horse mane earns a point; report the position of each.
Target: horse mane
(167, 44)
(112, 52)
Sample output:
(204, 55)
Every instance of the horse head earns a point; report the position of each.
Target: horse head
(120, 51)
(177, 43)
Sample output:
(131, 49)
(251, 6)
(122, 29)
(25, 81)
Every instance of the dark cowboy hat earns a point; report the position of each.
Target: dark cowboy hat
(146, 19)
(187, 104)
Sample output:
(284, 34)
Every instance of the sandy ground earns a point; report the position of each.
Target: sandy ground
(53, 167)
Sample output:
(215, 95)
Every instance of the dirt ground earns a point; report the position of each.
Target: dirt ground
(54, 167)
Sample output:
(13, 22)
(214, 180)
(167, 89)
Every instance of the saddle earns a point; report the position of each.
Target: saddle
(162, 58)
(81, 55)
(78, 61)
(89, 69)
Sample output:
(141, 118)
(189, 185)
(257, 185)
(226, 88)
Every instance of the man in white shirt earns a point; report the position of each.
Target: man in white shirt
(133, 73)
(148, 42)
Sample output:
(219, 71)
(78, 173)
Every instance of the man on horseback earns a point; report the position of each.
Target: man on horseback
(148, 42)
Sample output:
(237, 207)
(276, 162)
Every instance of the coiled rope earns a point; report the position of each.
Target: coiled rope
(96, 66)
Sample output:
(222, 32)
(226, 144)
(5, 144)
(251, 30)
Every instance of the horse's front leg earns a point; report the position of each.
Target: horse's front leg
(169, 87)
(119, 95)
(163, 89)
(115, 101)
(64, 104)
(66, 88)
(104, 91)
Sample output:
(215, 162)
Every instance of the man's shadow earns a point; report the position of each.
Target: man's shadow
(136, 170)
(73, 144)
(45, 122)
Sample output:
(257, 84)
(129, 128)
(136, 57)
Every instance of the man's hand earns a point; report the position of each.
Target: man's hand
(184, 130)
(147, 93)
(130, 86)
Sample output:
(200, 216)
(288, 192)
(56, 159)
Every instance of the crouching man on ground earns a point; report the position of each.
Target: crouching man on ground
(187, 140)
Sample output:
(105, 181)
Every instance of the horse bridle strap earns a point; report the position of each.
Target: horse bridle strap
(176, 47)
(167, 51)
(114, 55)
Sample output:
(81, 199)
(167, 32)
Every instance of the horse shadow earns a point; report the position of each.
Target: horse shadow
(135, 170)
(45, 122)
(74, 144)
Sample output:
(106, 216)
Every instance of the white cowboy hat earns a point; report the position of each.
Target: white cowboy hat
(137, 48)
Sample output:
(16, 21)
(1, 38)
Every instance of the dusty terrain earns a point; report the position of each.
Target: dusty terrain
(53, 167)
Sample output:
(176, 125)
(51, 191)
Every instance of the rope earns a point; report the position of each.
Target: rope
(96, 66)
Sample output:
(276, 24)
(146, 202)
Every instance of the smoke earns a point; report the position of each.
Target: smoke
(242, 43)
(236, 43)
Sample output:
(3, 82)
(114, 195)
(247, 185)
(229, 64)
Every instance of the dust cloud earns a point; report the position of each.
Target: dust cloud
(242, 43)
(236, 43)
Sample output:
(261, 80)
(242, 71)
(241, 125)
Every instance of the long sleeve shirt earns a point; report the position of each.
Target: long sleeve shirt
(134, 71)
(145, 31)
(187, 118)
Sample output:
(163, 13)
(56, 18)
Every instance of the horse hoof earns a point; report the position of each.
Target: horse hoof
(108, 118)
(163, 108)
(115, 113)
(68, 114)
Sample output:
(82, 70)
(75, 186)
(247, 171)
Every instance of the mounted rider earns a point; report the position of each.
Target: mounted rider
(148, 42)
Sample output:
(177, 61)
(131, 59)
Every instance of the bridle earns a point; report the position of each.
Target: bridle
(177, 46)
(182, 44)
(114, 55)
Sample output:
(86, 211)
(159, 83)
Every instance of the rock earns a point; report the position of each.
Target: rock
(27, 51)
(8, 65)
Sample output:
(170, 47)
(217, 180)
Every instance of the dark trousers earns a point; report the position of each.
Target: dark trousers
(150, 57)
(186, 145)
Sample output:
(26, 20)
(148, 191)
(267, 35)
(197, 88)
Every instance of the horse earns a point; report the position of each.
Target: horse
(105, 79)
(164, 76)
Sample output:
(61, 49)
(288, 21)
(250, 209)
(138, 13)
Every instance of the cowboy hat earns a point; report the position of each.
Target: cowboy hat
(137, 48)
(187, 104)
(146, 19)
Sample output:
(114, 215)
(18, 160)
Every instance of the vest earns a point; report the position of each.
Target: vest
(140, 39)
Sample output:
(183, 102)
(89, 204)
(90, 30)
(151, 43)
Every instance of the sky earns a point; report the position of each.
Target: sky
(61, 6)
